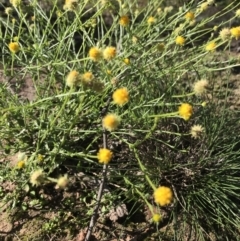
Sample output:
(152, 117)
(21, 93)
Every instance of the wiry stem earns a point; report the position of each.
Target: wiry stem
(100, 191)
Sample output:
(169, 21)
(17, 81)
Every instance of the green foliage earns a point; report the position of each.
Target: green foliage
(58, 130)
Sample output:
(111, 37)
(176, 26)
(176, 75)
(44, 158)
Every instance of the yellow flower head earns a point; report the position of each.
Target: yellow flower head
(126, 61)
(168, 9)
(37, 178)
(14, 47)
(200, 87)
(210, 46)
(204, 6)
(189, 16)
(204, 104)
(159, 11)
(15, 3)
(163, 196)
(87, 77)
(196, 131)
(73, 78)
(210, 2)
(70, 5)
(225, 34)
(109, 53)
(151, 20)
(124, 21)
(180, 40)
(193, 22)
(235, 32)
(95, 54)
(22, 157)
(40, 158)
(156, 218)
(59, 13)
(134, 39)
(120, 96)
(104, 156)
(8, 10)
(185, 110)
(21, 164)
(62, 182)
(237, 13)
(111, 122)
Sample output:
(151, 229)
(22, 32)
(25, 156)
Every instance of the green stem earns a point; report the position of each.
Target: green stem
(143, 168)
(148, 135)
(165, 115)
(140, 194)
(184, 95)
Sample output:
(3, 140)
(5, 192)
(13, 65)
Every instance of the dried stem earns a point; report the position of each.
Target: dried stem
(100, 191)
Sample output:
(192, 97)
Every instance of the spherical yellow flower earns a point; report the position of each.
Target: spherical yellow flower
(15, 39)
(196, 131)
(37, 178)
(22, 157)
(151, 20)
(225, 34)
(87, 77)
(192, 23)
(14, 47)
(95, 54)
(109, 53)
(15, 3)
(185, 110)
(159, 10)
(134, 39)
(62, 182)
(109, 72)
(111, 122)
(204, 104)
(200, 87)
(59, 13)
(215, 28)
(163, 196)
(237, 13)
(21, 164)
(189, 16)
(210, 46)
(124, 21)
(156, 218)
(40, 158)
(126, 61)
(8, 10)
(73, 78)
(180, 40)
(235, 32)
(104, 156)
(204, 6)
(210, 2)
(168, 9)
(179, 29)
(70, 5)
(120, 96)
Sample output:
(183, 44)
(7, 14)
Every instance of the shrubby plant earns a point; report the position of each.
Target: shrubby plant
(125, 112)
